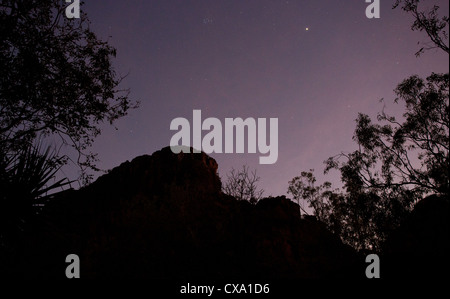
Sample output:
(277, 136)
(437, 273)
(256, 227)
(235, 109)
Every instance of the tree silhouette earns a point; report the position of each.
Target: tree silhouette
(57, 83)
(428, 21)
(398, 162)
(56, 79)
(242, 185)
(303, 188)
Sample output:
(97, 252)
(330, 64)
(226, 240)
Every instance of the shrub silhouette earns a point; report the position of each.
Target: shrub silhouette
(242, 185)
(25, 181)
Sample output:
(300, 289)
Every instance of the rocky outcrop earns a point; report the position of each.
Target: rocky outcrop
(419, 247)
(164, 216)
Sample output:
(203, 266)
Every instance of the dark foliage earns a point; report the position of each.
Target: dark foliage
(26, 177)
(397, 162)
(429, 21)
(56, 78)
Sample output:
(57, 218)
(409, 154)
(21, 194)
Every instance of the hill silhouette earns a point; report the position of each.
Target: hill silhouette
(419, 247)
(164, 216)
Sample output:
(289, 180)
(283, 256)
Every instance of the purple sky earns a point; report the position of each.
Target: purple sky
(240, 58)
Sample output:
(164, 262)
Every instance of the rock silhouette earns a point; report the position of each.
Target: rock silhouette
(164, 216)
(419, 247)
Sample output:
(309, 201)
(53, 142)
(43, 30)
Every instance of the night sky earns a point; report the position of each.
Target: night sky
(313, 64)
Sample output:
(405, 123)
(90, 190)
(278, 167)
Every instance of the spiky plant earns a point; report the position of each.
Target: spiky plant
(25, 182)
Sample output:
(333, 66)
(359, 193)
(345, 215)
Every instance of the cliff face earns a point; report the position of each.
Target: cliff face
(164, 216)
(419, 247)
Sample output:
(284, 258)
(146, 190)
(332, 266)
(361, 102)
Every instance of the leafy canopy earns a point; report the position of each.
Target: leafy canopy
(398, 161)
(57, 78)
